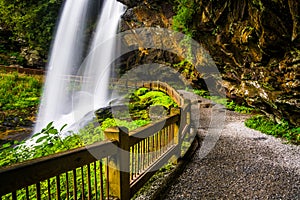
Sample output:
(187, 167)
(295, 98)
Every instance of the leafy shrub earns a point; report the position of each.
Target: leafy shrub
(50, 141)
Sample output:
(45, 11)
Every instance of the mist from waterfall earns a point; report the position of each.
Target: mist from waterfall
(77, 73)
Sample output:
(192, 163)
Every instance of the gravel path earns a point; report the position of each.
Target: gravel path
(244, 164)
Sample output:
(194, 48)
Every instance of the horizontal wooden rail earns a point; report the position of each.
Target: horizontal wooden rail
(33, 171)
(19, 69)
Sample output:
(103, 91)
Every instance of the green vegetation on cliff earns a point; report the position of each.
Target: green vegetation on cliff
(255, 45)
(26, 29)
(185, 9)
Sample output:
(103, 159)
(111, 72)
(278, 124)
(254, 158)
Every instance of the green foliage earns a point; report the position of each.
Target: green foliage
(185, 11)
(49, 140)
(185, 67)
(89, 134)
(141, 91)
(19, 91)
(41, 144)
(143, 99)
(283, 129)
(183, 22)
(202, 93)
(131, 125)
(44, 143)
(28, 24)
(230, 105)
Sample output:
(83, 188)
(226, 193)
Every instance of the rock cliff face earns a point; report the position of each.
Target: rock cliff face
(255, 44)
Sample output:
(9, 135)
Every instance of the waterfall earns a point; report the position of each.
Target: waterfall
(77, 74)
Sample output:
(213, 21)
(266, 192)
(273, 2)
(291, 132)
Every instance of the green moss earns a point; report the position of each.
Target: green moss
(157, 98)
(143, 99)
(282, 130)
(231, 105)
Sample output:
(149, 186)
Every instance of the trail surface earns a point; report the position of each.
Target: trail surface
(244, 164)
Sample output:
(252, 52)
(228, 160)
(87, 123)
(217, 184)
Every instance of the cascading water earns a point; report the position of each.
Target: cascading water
(65, 100)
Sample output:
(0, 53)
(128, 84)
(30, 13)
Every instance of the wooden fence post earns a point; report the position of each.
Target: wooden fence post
(118, 169)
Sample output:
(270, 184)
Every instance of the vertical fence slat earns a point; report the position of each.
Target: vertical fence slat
(143, 154)
(57, 187)
(156, 146)
(163, 140)
(27, 193)
(14, 195)
(119, 176)
(135, 161)
(107, 179)
(67, 186)
(82, 183)
(132, 162)
(95, 180)
(49, 189)
(138, 159)
(89, 182)
(153, 148)
(38, 191)
(74, 185)
(148, 151)
(101, 181)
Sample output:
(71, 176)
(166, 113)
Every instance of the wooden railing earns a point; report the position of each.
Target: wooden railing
(75, 173)
(19, 69)
(117, 167)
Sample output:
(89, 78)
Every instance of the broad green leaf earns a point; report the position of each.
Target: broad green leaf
(42, 138)
(53, 131)
(49, 125)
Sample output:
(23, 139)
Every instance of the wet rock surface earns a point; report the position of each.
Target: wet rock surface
(16, 124)
(255, 45)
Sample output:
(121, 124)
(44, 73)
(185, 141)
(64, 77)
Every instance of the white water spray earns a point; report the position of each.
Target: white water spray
(66, 100)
